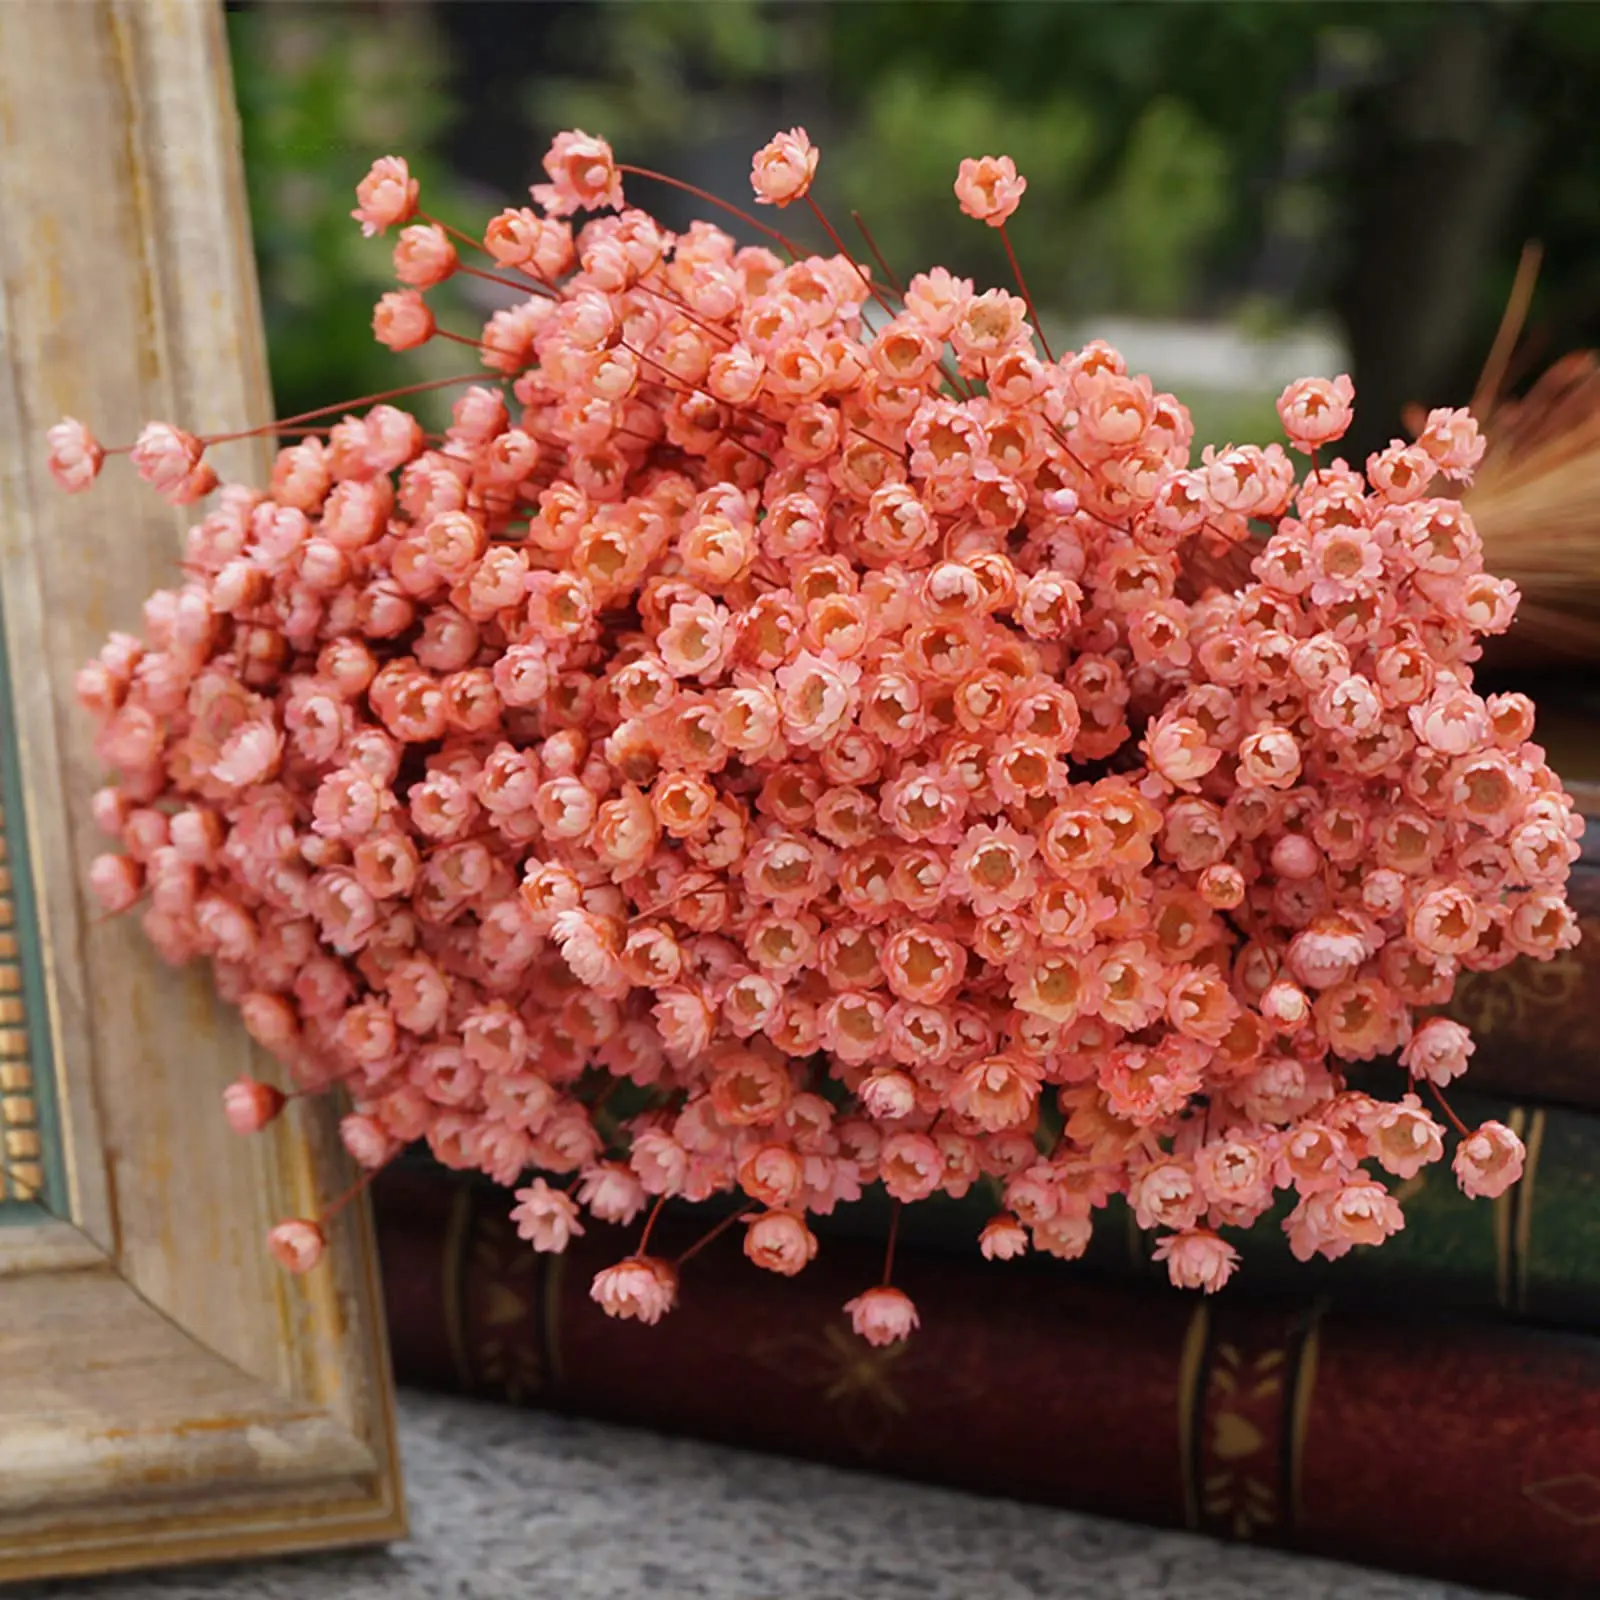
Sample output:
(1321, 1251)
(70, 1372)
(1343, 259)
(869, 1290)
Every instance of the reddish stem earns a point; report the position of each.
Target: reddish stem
(877, 255)
(459, 338)
(455, 233)
(861, 272)
(1022, 284)
(1444, 1105)
(721, 1227)
(650, 1222)
(537, 285)
(888, 1254)
(713, 200)
(325, 411)
(329, 1212)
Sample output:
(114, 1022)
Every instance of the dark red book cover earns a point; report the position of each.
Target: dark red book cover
(1462, 1450)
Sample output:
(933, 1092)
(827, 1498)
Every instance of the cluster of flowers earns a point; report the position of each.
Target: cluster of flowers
(791, 742)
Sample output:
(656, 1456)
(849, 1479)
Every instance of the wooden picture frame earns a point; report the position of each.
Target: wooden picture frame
(166, 1392)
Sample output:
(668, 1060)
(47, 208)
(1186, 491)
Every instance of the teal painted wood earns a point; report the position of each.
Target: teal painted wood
(28, 962)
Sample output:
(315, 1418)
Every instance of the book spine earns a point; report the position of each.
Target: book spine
(1535, 1022)
(1461, 1450)
(1533, 1253)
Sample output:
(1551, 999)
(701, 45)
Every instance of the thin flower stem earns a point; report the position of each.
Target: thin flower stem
(1444, 1105)
(650, 1222)
(531, 286)
(877, 255)
(844, 250)
(333, 1210)
(1022, 284)
(721, 1227)
(888, 1254)
(455, 233)
(713, 200)
(459, 338)
(325, 411)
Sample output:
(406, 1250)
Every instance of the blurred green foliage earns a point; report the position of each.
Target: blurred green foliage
(1378, 162)
(323, 89)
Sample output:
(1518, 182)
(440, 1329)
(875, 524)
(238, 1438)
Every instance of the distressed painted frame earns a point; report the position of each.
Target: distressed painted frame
(166, 1394)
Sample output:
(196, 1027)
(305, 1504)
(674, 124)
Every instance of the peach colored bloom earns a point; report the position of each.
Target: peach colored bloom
(1316, 411)
(296, 1246)
(116, 882)
(165, 457)
(1403, 1137)
(1197, 1259)
(1003, 1238)
(780, 1242)
(402, 320)
(784, 168)
(386, 197)
(732, 703)
(424, 256)
(583, 177)
(611, 1192)
(1453, 440)
(250, 1104)
(642, 1287)
(75, 456)
(989, 189)
(547, 1218)
(1489, 1161)
(882, 1316)
(1438, 1051)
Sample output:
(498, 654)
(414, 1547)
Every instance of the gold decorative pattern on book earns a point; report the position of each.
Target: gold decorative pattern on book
(1575, 1498)
(22, 1169)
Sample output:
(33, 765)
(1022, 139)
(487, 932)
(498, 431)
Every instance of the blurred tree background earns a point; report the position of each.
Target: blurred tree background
(1372, 168)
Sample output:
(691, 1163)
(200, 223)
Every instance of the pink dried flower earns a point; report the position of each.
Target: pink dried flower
(1489, 1161)
(166, 457)
(1197, 1259)
(1316, 411)
(547, 1218)
(784, 168)
(780, 1242)
(583, 177)
(718, 702)
(386, 197)
(75, 456)
(402, 320)
(989, 188)
(882, 1316)
(424, 256)
(250, 1105)
(1003, 1238)
(642, 1287)
(297, 1246)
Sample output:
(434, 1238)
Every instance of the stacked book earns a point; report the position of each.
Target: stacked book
(1433, 1405)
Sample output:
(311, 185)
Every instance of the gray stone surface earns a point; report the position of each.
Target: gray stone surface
(510, 1505)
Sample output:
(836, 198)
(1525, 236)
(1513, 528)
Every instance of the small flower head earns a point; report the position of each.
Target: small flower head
(250, 1105)
(1488, 1161)
(547, 1218)
(1316, 411)
(780, 1242)
(402, 320)
(644, 1288)
(296, 1246)
(75, 455)
(989, 188)
(783, 168)
(386, 197)
(1197, 1259)
(583, 176)
(882, 1316)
